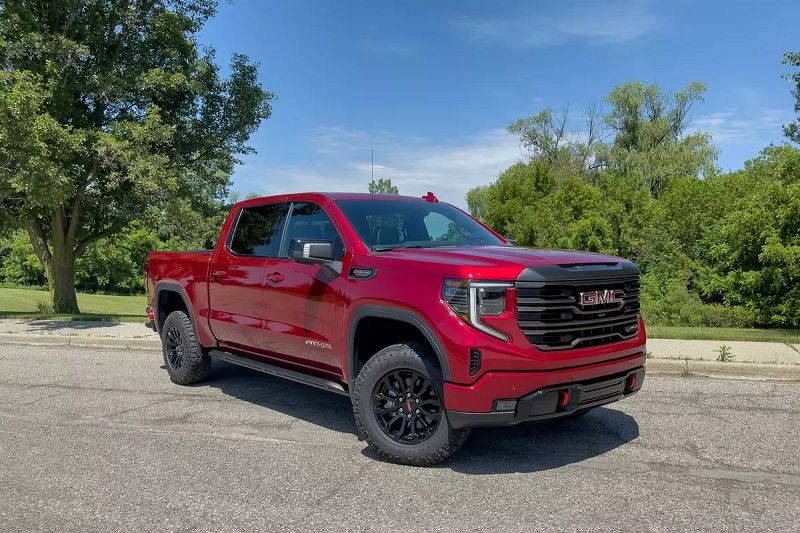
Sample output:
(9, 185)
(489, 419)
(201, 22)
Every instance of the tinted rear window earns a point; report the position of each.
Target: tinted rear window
(257, 230)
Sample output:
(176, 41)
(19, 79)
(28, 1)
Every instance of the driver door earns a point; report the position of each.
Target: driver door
(302, 316)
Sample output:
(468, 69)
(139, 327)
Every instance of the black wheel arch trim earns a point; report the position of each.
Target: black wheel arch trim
(401, 315)
(171, 286)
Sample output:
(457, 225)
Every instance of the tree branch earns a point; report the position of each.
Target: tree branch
(38, 241)
(74, 218)
(84, 243)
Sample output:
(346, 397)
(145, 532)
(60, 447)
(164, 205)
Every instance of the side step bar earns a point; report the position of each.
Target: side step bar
(266, 368)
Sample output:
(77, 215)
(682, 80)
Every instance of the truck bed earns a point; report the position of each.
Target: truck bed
(189, 270)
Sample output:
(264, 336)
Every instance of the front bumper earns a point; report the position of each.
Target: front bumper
(543, 404)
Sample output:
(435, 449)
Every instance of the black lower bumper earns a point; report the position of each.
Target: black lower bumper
(543, 404)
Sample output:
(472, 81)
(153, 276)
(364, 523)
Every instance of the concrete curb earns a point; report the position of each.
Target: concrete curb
(82, 342)
(690, 368)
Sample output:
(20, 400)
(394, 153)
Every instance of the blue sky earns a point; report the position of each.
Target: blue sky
(431, 86)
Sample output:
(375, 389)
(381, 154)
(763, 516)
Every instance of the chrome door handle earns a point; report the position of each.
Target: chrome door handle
(218, 274)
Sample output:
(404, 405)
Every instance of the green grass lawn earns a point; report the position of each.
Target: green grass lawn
(791, 336)
(22, 303)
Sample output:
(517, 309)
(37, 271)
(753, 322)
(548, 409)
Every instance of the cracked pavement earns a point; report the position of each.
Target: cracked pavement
(101, 440)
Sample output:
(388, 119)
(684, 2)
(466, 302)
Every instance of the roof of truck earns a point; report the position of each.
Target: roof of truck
(367, 196)
(336, 196)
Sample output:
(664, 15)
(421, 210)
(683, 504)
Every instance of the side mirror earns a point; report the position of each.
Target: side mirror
(512, 242)
(311, 251)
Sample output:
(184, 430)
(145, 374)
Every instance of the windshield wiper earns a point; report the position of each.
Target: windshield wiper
(388, 248)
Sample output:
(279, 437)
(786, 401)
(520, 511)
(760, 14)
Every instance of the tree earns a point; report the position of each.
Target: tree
(545, 137)
(753, 250)
(383, 186)
(109, 111)
(792, 130)
(650, 141)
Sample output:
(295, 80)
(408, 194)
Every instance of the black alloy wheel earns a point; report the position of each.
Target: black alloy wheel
(406, 406)
(174, 348)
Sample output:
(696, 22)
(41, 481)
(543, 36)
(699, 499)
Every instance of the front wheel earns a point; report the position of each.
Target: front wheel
(399, 409)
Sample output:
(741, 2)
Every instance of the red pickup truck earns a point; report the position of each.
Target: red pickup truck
(428, 320)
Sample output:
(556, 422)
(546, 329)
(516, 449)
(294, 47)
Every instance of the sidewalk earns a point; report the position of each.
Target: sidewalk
(756, 359)
(88, 334)
(742, 351)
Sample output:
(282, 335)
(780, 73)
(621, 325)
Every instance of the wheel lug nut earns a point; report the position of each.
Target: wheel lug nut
(409, 415)
(417, 400)
(417, 411)
(408, 395)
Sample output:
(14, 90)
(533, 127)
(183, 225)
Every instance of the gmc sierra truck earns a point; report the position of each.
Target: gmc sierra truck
(428, 320)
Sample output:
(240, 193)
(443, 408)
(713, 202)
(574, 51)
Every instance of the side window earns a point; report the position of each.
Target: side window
(309, 221)
(257, 230)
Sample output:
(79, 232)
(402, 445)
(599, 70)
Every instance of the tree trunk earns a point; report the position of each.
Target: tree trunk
(57, 253)
(61, 281)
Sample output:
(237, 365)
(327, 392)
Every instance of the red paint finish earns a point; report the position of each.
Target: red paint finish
(301, 315)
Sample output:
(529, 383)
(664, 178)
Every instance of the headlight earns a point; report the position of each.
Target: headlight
(472, 300)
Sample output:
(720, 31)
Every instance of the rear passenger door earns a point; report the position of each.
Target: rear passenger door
(300, 301)
(236, 279)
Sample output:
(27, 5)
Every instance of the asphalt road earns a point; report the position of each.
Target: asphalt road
(101, 440)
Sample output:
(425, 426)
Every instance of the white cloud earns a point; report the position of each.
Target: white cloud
(736, 127)
(340, 161)
(593, 22)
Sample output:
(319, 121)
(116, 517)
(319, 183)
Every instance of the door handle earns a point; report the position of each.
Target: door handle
(275, 277)
(218, 274)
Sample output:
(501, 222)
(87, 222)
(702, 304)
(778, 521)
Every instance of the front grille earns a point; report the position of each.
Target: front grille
(550, 314)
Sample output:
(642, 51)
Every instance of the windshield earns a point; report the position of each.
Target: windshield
(388, 224)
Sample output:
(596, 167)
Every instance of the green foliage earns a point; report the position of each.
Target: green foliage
(18, 263)
(649, 142)
(117, 264)
(110, 112)
(719, 250)
(383, 186)
(792, 130)
(753, 251)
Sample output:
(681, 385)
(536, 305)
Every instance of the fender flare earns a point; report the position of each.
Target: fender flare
(401, 315)
(171, 286)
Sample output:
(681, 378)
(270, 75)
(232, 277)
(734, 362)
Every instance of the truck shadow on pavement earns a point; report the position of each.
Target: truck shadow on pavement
(523, 448)
(325, 409)
(541, 446)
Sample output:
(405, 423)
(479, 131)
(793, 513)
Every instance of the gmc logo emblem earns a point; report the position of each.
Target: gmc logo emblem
(601, 297)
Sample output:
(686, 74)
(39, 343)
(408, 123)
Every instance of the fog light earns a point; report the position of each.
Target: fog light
(630, 382)
(505, 405)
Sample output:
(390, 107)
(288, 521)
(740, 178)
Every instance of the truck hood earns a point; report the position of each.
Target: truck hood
(488, 257)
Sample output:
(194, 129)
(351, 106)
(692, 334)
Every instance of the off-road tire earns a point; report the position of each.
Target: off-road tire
(412, 356)
(195, 362)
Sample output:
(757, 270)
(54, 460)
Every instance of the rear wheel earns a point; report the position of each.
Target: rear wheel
(185, 359)
(399, 409)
